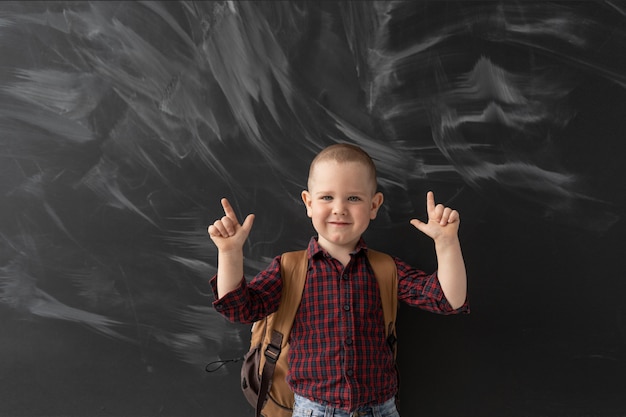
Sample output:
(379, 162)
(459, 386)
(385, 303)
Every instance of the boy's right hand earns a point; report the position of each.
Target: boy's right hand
(227, 233)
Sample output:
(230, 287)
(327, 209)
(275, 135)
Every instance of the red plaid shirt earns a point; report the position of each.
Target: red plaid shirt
(338, 352)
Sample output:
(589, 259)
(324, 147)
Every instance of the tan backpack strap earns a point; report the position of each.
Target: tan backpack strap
(386, 273)
(293, 270)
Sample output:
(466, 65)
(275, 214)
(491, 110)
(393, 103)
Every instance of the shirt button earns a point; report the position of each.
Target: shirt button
(346, 307)
(350, 372)
(348, 341)
(346, 276)
(219, 307)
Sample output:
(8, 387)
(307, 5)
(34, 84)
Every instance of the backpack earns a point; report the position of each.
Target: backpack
(265, 366)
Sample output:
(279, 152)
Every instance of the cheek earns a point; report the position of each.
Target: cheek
(314, 210)
(318, 213)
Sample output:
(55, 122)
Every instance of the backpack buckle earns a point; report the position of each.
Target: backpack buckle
(272, 353)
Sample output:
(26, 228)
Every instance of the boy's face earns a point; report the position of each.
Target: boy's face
(341, 201)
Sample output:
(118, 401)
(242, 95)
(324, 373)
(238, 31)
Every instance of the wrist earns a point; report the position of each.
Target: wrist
(231, 253)
(446, 243)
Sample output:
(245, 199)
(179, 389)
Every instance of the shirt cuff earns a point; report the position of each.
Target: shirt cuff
(444, 304)
(228, 299)
(464, 309)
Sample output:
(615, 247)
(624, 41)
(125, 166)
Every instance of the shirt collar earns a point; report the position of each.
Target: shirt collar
(314, 249)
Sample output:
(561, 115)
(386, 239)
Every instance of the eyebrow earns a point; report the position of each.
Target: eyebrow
(348, 193)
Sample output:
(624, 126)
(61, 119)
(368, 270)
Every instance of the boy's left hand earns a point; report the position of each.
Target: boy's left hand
(443, 222)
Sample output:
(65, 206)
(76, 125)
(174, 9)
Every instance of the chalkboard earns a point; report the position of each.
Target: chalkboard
(122, 124)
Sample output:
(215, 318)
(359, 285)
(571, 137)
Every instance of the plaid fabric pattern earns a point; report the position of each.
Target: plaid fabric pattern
(338, 353)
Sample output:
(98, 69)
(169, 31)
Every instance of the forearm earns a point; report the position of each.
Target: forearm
(451, 272)
(229, 271)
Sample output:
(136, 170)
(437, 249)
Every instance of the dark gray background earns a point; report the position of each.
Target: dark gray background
(122, 124)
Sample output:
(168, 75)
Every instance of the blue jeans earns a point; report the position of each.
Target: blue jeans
(304, 407)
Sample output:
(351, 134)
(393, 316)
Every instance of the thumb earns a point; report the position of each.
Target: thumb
(419, 225)
(247, 223)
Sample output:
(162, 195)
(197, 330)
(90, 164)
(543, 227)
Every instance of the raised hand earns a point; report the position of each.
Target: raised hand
(443, 222)
(227, 233)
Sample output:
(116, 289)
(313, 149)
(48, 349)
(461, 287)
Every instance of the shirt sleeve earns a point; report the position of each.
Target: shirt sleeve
(419, 289)
(254, 300)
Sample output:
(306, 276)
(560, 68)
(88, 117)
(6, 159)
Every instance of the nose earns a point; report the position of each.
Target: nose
(339, 207)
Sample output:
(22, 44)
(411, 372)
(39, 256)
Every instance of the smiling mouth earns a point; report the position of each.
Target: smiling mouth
(339, 223)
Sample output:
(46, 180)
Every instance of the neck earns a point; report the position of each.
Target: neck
(339, 252)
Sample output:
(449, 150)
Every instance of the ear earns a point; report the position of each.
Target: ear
(377, 201)
(308, 200)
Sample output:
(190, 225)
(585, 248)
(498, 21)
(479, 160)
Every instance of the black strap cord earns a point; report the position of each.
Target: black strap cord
(215, 365)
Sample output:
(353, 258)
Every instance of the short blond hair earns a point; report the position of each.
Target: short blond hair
(345, 152)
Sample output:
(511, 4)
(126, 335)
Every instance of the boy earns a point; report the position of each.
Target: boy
(340, 362)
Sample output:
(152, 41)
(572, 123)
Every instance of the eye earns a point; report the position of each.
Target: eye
(354, 198)
(326, 198)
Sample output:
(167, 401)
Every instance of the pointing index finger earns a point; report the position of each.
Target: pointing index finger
(430, 202)
(228, 210)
